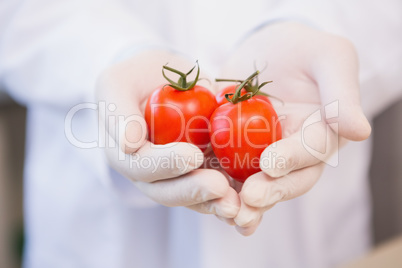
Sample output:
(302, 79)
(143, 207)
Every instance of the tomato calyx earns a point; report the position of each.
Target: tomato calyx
(181, 84)
(251, 88)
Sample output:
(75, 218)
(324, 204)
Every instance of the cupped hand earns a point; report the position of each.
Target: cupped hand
(316, 75)
(168, 173)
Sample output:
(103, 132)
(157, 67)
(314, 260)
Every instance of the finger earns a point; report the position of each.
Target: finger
(314, 143)
(261, 190)
(131, 129)
(197, 187)
(156, 162)
(124, 89)
(229, 221)
(122, 94)
(336, 73)
(225, 207)
(247, 231)
(124, 124)
(248, 216)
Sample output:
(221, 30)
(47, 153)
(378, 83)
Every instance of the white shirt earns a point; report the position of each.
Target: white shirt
(79, 213)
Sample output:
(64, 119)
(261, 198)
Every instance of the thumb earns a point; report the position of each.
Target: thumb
(336, 73)
(126, 86)
(132, 130)
(124, 122)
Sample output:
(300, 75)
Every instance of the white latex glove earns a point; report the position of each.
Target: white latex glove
(172, 179)
(310, 69)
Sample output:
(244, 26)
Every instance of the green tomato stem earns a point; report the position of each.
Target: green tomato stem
(251, 88)
(181, 84)
(236, 97)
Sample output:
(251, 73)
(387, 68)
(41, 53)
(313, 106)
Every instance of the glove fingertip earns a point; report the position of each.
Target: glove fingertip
(248, 231)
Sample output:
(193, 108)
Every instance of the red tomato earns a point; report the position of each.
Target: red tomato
(220, 96)
(239, 134)
(180, 116)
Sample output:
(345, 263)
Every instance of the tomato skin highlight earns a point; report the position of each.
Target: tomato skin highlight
(220, 96)
(180, 116)
(239, 134)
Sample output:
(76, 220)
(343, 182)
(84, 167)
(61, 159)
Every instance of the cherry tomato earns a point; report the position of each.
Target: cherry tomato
(241, 129)
(180, 112)
(180, 116)
(220, 96)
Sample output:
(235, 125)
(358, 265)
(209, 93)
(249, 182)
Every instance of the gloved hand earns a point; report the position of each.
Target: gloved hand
(165, 173)
(316, 75)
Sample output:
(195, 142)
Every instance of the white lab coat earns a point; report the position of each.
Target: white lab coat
(80, 213)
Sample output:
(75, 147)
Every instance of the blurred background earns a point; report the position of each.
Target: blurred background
(385, 175)
(12, 136)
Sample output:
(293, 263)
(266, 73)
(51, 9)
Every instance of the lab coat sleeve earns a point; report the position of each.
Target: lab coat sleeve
(374, 28)
(52, 51)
